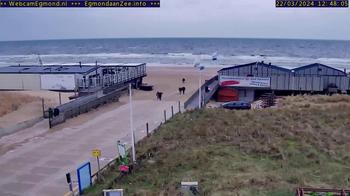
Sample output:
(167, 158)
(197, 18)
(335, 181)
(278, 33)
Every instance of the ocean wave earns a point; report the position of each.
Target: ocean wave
(170, 58)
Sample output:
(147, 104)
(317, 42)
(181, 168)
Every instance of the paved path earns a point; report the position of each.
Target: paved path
(38, 166)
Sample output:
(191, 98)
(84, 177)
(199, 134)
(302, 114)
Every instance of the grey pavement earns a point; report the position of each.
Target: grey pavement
(38, 166)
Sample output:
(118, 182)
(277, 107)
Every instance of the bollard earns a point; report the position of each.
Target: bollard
(179, 107)
(164, 116)
(147, 131)
(172, 111)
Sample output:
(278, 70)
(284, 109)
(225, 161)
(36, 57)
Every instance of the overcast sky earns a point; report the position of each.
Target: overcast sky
(178, 18)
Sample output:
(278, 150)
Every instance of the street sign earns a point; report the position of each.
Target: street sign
(121, 149)
(96, 153)
(84, 177)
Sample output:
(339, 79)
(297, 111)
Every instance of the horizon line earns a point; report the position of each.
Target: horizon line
(262, 38)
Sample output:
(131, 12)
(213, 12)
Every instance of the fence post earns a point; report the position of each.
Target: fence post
(179, 107)
(164, 116)
(43, 106)
(147, 131)
(172, 111)
(60, 98)
(50, 124)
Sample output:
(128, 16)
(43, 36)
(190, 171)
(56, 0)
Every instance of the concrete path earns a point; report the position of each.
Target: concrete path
(38, 166)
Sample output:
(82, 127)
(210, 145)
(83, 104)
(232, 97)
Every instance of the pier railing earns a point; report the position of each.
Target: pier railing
(111, 76)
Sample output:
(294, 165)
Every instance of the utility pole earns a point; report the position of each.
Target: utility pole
(197, 64)
(131, 126)
(200, 89)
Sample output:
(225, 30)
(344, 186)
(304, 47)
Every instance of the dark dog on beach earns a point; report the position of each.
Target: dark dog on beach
(182, 90)
(159, 95)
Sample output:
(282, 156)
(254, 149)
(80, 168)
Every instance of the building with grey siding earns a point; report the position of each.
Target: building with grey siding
(327, 76)
(250, 80)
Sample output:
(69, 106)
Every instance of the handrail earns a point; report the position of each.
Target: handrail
(194, 95)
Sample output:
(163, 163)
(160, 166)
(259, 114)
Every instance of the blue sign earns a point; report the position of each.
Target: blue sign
(84, 177)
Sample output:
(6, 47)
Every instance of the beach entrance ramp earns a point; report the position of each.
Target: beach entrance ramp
(208, 89)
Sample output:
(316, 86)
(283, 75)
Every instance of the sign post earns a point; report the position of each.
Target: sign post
(97, 153)
(69, 181)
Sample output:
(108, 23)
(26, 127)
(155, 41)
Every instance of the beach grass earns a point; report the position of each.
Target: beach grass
(10, 101)
(303, 142)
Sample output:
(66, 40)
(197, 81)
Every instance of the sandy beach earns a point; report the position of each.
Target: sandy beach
(165, 79)
(74, 139)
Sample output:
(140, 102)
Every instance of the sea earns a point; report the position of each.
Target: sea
(177, 51)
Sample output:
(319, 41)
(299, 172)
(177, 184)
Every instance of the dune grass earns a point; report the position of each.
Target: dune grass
(257, 152)
(10, 101)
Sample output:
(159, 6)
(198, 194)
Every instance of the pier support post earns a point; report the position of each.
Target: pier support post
(172, 111)
(179, 107)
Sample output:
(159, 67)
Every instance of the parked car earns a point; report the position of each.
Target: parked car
(237, 105)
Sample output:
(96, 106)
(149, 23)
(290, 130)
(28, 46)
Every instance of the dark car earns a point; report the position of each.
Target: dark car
(237, 105)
